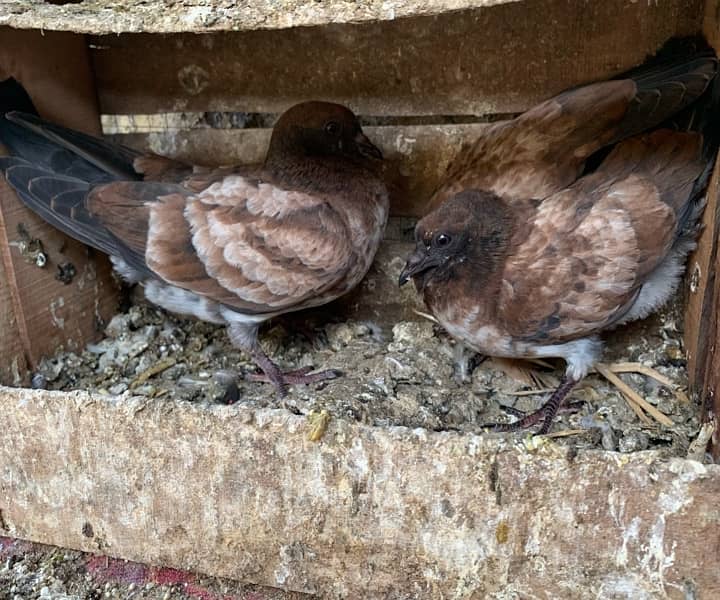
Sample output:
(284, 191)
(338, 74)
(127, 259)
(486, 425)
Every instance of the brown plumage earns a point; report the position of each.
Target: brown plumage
(235, 246)
(526, 255)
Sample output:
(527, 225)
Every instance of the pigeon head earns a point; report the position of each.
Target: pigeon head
(319, 130)
(472, 228)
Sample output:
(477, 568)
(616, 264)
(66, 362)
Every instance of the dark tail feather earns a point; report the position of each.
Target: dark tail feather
(13, 97)
(703, 117)
(669, 83)
(82, 155)
(55, 148)
(59, 200)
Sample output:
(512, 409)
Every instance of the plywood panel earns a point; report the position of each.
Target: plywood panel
(47, 312)
(498, 59)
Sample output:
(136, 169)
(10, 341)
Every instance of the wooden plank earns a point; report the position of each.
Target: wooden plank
(46, 312)
(415, 156)
(499, 59)
(701, 303)
(707, 364)
(363, 513)
(161, 16)
(13, 366)
(702, 343)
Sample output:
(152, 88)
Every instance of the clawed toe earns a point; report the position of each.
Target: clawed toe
(263, 377)
(545, 414)
(302, 376)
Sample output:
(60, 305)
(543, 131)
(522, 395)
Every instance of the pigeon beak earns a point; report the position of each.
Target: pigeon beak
(366, 148)
(417, 262)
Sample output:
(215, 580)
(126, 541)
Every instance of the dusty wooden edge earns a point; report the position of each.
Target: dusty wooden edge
(365, 512)
(156, 16)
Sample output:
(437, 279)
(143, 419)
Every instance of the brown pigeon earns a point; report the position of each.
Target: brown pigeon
(572, 218)
(234, 246)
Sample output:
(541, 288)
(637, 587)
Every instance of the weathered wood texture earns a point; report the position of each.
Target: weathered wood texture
(40, 312)
(709, 335)
(415, 156)
(492, 60)
(702, 329)
(364, 513)
(701, 309)
(161, 16)
(13, 365)
(707, 364)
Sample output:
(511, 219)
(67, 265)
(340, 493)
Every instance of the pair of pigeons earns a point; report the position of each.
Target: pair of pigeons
(570, 219)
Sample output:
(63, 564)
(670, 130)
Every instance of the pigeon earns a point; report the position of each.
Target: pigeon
(573, 218)
(229, 245)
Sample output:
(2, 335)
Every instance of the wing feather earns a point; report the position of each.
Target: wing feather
(584, 261)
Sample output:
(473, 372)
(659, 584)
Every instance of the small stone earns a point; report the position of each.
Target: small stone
(666, 405)
(118, 389)
(674, 353)
(45, 592)
(407, 402)
(361, 330)
(608, 440)
(108, 360)
(339, 335)
(38, 382)
(408, 333)
(400, 371)
(633, 441)
(135, 316)
(51, 369)
(145, 390)
(118, 325)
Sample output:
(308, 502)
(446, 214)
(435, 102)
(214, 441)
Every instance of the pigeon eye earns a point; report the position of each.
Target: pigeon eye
(442, 240)
(332, 128)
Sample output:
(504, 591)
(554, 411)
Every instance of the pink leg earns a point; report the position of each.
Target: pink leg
(546, 413)
(272, 374)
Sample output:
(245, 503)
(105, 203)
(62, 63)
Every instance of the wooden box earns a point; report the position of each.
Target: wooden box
(368, 512)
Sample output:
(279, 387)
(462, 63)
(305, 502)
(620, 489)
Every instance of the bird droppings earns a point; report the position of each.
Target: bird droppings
(408, 374)
(31, 249)
(66, 273)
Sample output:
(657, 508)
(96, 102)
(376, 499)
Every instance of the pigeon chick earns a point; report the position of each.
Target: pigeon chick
(234, 246)
(526, 255)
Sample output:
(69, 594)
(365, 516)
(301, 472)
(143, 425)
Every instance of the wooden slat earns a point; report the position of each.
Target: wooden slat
(364, 513)
(161, 16)
(707, 364)
(701, 305)
(415, 156)
(41, 312)
(13, 364)
(702, 315)
(498, 59)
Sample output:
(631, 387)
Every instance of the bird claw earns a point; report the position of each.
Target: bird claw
(570, 408)
(264, 378)
(546, 413)
(301, 376)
